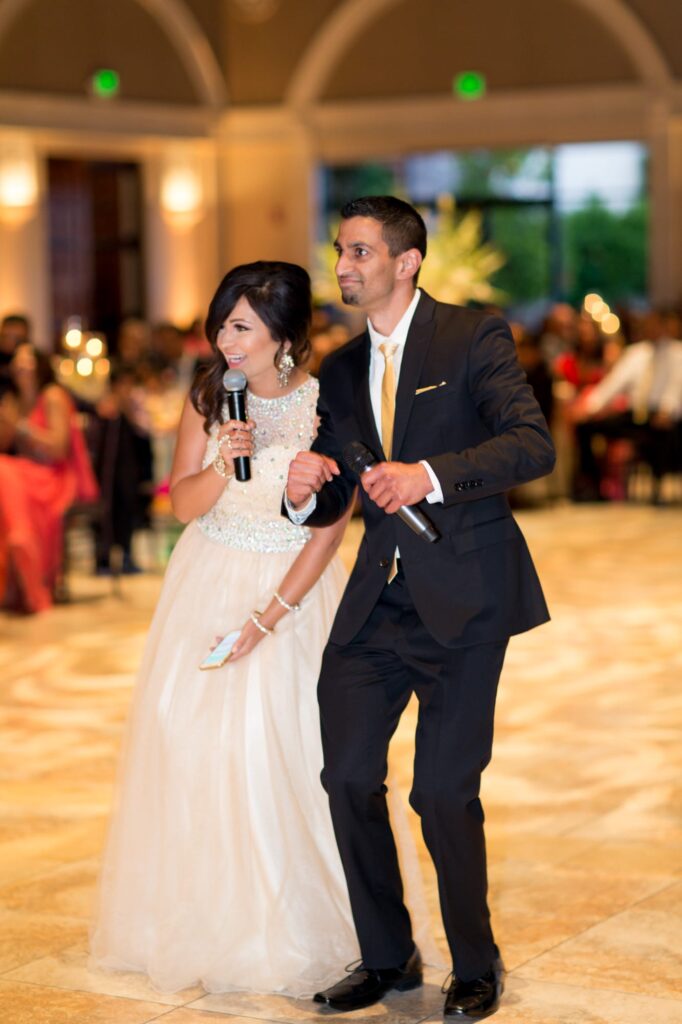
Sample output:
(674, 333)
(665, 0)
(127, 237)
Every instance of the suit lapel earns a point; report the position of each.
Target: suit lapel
(416, 348)
(363, 405)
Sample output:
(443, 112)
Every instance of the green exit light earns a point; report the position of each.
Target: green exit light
(105, 83)
(469, 85)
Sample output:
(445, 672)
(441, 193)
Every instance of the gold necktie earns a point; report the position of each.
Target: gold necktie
(387, 349)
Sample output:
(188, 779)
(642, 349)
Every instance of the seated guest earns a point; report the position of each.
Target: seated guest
(49, 471)
(648, 376)
(583, 365)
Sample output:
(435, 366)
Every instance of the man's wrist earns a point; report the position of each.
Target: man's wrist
(298, 515)
(435, 492)
(296, 506)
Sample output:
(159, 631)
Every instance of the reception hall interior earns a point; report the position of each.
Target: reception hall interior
(146, 147)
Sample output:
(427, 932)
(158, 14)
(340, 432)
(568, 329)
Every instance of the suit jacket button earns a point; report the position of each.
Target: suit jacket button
(384, 563)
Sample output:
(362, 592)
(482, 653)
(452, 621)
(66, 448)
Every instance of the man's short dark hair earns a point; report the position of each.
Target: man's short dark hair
(402, 228)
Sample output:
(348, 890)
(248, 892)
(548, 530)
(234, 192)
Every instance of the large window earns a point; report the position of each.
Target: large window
(568, 219)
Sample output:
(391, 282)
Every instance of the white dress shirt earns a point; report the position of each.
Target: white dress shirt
(376, 374)
(649, 374)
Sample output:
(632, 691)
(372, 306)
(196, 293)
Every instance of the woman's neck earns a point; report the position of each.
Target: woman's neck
(268, 386)
(28, 396)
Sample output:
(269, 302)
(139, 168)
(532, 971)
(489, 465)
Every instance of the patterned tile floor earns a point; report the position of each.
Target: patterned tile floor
(583, 797)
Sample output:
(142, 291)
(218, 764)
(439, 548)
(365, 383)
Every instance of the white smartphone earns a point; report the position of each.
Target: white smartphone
(219, 655)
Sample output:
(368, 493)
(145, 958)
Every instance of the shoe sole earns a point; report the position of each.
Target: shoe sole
(341, 1007)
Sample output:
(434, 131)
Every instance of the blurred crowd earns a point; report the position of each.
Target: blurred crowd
(613, 402)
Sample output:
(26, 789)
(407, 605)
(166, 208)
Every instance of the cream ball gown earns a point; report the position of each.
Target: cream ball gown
(221, 866)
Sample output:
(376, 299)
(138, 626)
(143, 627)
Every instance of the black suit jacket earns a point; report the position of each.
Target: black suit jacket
(482, 432)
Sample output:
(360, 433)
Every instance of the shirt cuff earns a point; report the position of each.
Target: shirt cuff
(298, 516)
(437, 493)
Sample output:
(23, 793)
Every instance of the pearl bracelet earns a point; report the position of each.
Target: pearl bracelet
(255, 618)
(285, 604)
(220, 466)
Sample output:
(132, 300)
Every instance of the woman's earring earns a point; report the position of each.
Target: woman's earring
(285, 366)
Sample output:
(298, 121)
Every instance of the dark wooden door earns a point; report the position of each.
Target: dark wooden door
(96, 244)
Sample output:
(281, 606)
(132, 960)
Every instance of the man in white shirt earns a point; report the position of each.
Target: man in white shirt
(437, 394)
(649, 376)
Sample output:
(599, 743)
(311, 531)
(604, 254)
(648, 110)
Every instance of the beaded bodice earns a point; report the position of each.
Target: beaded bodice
(248, 515)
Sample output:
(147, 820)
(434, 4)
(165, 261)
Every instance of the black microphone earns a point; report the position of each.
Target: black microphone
(359, 459)
(234, 382)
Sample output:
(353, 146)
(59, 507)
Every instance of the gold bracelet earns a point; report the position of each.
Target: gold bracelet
(255, 618)
(220, 467)
(285, 604)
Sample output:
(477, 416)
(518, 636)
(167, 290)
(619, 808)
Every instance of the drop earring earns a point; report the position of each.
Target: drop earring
(285, 367)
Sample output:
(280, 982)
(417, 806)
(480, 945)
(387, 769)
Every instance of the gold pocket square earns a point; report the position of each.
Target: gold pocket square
(430, 387)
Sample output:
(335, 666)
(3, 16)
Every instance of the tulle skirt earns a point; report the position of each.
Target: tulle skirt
(221, 866)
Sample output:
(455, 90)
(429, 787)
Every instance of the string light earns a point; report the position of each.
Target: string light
(94, 346)
(610, 324)
(73, 337)
(84, 366)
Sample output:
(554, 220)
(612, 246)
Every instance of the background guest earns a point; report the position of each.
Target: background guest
(531, 358)
(560, 331)
(15, 330)
(49, 472)
(648, 376)
(123, 460)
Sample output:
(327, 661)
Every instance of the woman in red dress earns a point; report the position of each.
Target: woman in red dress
(44, 469)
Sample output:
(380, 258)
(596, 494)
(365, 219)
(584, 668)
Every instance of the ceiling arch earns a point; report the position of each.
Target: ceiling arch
(183, 31)
(347, 22)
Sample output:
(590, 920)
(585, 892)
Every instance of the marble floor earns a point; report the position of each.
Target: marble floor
(583, 797)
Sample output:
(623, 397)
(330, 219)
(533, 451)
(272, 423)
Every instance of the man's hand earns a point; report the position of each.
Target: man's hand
(308, 474)
(392, 484)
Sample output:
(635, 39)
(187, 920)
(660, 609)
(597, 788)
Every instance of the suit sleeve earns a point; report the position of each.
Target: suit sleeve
(520, 447)
(332, 500)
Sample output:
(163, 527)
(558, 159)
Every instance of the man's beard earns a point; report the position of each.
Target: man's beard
(349, 299)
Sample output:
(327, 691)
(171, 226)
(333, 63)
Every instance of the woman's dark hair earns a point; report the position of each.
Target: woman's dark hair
(45, 375)
(279, 293)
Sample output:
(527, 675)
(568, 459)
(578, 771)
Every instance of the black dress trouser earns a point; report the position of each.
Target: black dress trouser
(364, 688)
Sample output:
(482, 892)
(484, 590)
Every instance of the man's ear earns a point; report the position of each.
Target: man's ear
(409, 263)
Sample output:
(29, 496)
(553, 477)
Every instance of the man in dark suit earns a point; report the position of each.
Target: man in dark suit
(436, 392)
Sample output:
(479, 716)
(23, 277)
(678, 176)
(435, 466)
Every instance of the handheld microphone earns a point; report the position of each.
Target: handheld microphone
(359, 459)
(234, 382)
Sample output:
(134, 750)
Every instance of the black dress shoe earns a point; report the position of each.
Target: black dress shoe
(367, 985)
(474, 1000)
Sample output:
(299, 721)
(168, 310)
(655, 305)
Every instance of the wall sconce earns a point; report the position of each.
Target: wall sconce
(182, 193)
(18, 182)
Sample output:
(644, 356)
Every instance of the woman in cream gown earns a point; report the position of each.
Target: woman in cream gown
(221, 866)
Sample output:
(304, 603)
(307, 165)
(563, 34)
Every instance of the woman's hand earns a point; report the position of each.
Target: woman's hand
(249, 638)
(235, 440)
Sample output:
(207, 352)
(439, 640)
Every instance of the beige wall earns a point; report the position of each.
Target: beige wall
(265, 183)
